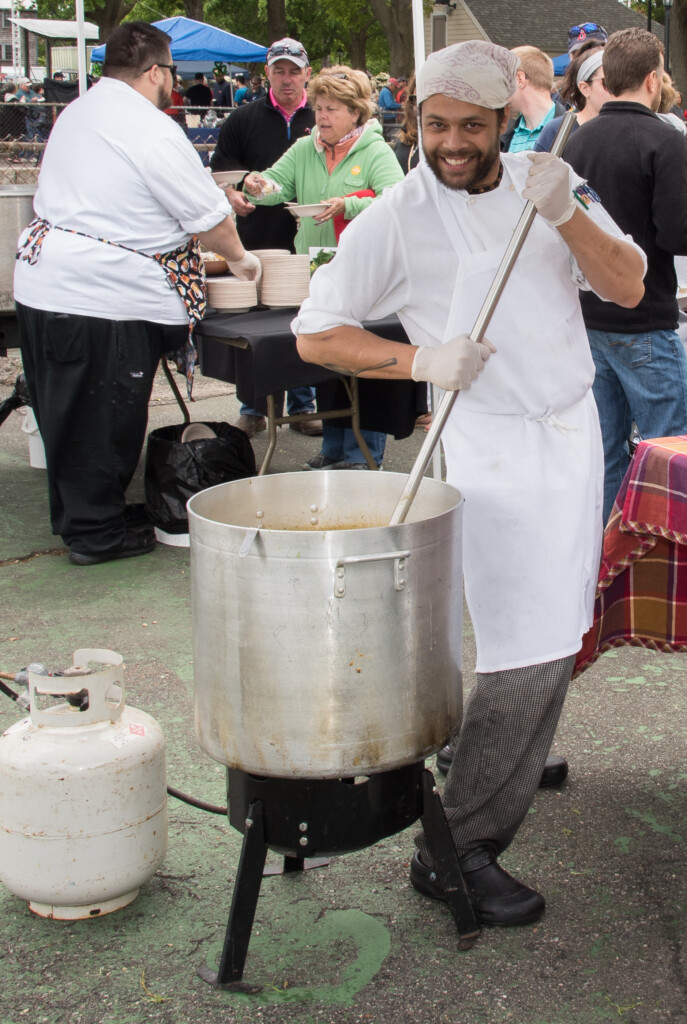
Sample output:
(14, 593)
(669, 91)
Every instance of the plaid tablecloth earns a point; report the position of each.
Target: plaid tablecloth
(641, 597)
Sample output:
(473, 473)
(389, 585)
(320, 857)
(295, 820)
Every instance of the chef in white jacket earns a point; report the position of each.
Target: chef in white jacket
(522, 443)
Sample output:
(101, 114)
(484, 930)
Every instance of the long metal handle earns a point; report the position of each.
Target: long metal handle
(476, 334)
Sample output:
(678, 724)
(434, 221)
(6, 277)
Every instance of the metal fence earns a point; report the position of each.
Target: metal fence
(25, 129)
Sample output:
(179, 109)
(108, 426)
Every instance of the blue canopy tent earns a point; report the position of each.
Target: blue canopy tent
(195, 43)
(560, 64)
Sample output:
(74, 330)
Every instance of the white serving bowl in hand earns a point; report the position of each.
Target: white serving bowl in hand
(228, 177)
(306, 209)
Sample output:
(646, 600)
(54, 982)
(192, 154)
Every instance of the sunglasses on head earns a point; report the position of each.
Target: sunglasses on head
(290, 51)
(589, 26)
(340, 74)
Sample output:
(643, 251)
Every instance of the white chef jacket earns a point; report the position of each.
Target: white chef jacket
(523, 443)
(116, 167)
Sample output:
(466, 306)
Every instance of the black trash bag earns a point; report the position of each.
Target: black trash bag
(20, 396)
(175, 471)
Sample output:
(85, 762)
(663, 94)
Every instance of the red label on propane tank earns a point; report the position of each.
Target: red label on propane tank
(137, 730)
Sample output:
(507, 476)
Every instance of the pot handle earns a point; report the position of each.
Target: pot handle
(399, 568)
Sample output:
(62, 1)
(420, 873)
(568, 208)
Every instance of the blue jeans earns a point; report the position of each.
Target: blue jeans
(297, 400)
(34, 133)
(339, 443)
(640, 377)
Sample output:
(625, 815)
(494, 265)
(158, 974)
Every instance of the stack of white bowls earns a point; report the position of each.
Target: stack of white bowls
(232, 295)
(285, 280)
(265, 255)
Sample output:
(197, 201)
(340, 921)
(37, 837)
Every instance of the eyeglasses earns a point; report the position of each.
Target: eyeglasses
(287, 51)
(413, 99)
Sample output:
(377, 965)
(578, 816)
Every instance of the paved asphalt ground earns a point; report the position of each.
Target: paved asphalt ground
(351, 942)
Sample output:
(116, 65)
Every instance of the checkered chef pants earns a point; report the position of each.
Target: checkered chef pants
(499, 754)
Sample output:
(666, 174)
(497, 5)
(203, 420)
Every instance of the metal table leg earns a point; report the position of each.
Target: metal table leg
(351, 385)
(274, 421)
(271, 433)
(177, 394)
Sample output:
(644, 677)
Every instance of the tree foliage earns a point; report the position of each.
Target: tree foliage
(372, 34)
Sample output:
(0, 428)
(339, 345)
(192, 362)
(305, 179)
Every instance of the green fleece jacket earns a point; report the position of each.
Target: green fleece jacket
(302, 174)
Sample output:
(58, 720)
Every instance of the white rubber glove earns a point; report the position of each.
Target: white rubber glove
(248, 269)
(454, 365)
(548, 186)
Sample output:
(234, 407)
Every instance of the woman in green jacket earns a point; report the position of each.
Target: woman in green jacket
(346, 153)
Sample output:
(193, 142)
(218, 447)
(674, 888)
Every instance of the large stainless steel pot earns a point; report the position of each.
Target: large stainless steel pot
(16, 211)
(326, 644)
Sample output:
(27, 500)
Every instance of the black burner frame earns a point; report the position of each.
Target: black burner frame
(308, 818)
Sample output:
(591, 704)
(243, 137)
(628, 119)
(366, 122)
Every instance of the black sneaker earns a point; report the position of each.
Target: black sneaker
(133, 544)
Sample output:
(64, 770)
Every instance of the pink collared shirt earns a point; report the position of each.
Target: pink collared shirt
(284, 113)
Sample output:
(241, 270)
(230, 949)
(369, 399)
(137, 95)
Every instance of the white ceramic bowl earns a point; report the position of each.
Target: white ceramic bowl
(306, 209)
(196, 432)
(228, 177)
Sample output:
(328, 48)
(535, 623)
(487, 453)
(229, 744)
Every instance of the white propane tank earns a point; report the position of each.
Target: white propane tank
(83, 795)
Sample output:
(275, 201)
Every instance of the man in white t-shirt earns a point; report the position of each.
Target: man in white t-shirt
(107, 279)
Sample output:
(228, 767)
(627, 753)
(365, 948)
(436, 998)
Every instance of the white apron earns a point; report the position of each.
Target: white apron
(523, 446)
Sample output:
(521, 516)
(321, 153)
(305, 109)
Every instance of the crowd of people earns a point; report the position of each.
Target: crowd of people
(219, 94)
(24, 116)
(582, 344)
(209, 98)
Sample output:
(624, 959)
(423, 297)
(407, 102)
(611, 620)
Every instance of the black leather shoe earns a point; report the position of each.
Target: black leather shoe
(555, 770)
(497, 899)
(133, 544)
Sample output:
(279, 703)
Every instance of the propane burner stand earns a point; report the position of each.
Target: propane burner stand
(306, 818)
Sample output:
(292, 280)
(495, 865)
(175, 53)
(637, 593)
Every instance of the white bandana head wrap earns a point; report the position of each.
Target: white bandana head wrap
(474, 72)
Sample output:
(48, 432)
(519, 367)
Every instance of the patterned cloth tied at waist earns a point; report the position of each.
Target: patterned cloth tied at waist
(183, 269)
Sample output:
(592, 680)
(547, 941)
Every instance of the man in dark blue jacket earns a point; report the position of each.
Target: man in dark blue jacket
(638, 166)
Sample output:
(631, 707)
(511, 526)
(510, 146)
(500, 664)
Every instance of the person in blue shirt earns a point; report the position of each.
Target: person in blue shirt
(584, 87)
(240, 93)
(387, 103)
(531, 100)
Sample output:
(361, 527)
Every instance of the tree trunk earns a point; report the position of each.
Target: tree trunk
(678, 48)
(107, 18)
(194, 9)
(396, 20)
(357, 47)
(276, 20)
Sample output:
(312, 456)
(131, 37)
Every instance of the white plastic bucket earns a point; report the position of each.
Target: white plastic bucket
(36, 447)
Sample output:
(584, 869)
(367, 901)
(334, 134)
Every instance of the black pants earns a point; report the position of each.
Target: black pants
(90, 381)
